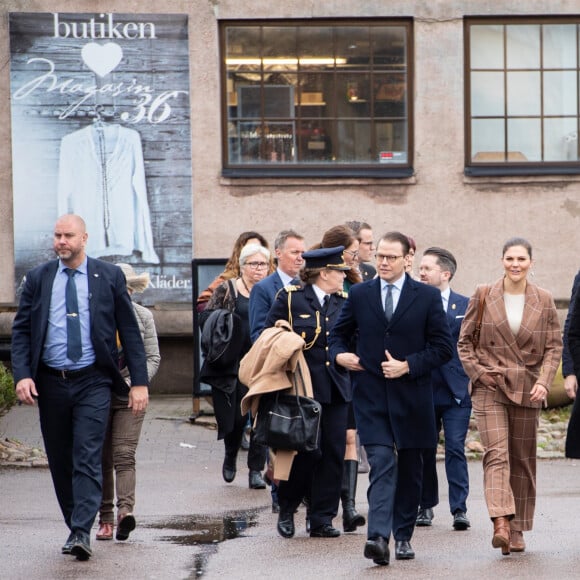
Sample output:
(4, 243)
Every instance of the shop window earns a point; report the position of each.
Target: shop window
(521, 96)
(317, 98)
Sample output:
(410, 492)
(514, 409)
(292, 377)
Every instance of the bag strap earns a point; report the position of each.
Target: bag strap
(482, 296)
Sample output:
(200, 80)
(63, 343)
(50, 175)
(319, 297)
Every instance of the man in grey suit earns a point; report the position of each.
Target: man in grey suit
(65, 355)
(288, 247)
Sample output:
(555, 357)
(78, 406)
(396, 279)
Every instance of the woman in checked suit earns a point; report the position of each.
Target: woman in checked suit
(511, 370)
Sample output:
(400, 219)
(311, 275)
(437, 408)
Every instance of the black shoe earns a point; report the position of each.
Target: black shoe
(256, 480)
(285, 525)
(424, 517)
(325, 531)
(460, 521)
(67, 547)
(229, 469)
(377, 550)
(81, 547)
(403, 550)
(125, 526)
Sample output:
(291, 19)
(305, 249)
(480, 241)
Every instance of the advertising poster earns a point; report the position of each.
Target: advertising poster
(101, 128)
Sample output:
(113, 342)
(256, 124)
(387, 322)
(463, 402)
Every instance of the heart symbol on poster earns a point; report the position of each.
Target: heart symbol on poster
(102, 58)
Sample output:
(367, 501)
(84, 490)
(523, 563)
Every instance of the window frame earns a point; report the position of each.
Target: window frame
(322, 169)
(514, 168)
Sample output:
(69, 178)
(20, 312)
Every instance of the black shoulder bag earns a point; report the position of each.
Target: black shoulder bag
(288, 422)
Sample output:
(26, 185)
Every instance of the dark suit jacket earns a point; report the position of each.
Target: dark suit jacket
(261, 299)
(110, 310)
(394, 411)
(367, 271)
(450, 379)
(329, 382)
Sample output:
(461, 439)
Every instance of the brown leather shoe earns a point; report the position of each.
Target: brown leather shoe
(517, 543)
(501, 534)
(105, 531)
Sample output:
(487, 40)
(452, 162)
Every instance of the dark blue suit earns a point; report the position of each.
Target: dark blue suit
(394, 413)
(74, 411)
(261, 299)
(317, 474)
(452, 411)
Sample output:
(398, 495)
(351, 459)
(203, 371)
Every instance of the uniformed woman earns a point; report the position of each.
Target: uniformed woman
(312, 309)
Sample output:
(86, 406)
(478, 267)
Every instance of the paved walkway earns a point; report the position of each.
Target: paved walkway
(185, 510)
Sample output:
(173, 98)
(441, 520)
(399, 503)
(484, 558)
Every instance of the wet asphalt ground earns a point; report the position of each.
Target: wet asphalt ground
(191, 524)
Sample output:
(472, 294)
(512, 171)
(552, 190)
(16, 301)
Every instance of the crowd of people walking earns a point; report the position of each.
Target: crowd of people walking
(393, 356)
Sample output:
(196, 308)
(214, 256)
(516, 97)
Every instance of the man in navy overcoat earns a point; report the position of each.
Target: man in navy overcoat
(402, 335)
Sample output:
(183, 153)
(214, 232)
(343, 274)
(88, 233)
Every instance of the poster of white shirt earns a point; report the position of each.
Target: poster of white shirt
(101, 128)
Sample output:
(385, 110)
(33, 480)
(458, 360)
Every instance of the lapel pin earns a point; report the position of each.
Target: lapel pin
(453, 307)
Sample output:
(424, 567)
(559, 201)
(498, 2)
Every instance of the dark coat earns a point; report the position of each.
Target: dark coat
(111, 310)
(567, 362)
(329, 382)
(261, 300)
(394, 411)
(571, 364)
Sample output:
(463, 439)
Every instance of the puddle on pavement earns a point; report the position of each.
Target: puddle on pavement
(206, 531)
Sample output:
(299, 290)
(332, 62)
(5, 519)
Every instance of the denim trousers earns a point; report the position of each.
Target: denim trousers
(119, 475)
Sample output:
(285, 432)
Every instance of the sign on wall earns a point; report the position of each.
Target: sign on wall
(101, 128)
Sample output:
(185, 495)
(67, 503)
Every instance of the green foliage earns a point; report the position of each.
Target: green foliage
(7, 393)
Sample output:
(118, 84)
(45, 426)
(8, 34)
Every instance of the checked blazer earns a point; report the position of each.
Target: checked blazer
(517, 362)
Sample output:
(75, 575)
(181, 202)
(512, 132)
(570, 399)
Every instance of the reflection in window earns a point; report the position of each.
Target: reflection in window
(316, 94)
(522, 98)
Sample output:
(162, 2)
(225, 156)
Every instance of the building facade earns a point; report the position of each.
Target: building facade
(455, 122)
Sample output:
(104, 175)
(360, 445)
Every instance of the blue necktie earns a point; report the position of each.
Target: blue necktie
(74, 348)
(389, 303)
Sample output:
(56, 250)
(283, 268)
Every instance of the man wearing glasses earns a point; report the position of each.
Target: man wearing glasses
(366, 248)
(403, 335)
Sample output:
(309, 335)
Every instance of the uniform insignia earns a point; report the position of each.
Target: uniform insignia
(291, 288)
(304, 316)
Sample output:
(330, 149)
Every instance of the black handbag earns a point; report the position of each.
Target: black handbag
(288, 422)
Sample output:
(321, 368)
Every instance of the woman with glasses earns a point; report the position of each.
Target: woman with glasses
(227, 391)
(232, 268)
(344, 236)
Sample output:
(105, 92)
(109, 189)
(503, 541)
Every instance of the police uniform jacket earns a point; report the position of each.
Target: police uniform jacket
(301, 307)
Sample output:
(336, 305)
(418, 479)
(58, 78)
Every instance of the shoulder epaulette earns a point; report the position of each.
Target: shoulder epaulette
(292, 288)
(342, 294)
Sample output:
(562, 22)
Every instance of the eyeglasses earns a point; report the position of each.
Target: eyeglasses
(390, 259)
(351, 253)
(257, 265)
